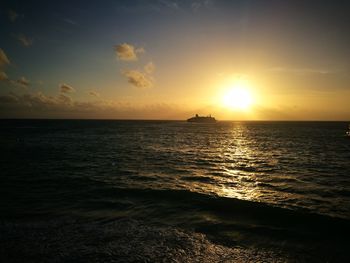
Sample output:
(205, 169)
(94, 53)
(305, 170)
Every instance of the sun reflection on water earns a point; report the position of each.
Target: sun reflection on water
(239, 178)
(248, 161)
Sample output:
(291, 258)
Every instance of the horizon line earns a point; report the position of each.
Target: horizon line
(177, 120)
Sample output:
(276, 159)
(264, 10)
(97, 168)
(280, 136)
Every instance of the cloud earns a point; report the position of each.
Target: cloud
(94, 94)
(195, 6)
(3, 76)
(35, 100)
(8, 99)
(149, 67)
(39, 105)
(176, 5)
(25, 41)
(23, 82)
(12, 15)
(138, 79)
(64, 88)
(3, 58)
(65, 99)
(170, 4)
(127, 52)
(198, 4)
(70, 21)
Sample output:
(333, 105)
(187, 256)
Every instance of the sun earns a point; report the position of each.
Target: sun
(237, 97)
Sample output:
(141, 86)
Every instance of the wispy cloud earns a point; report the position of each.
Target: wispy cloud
(41, 105)
(70, 21)
(94, 94)
(300, 71)
(138, 79)
(3, 76)
(149, 67)
(8, 99)
(3, 58)
(25, 41)
(65, 99)
(12, 15)
(23, 82)
(170, 4)
(180, 6)
(35, 101)
(198, 4)
(64, 88)
(127, 52)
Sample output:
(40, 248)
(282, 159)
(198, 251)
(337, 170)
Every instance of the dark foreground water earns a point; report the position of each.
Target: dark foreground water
(119, 191)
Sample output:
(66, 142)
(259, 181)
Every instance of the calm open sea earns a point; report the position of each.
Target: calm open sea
(279, 185)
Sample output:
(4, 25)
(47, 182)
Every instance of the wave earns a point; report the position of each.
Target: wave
(227, 221)
(254, 213)
(223, 220)
(202, 179)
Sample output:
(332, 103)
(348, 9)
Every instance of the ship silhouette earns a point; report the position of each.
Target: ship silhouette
(202, 119)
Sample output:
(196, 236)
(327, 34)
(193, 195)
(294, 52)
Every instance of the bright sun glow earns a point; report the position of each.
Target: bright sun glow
(237, 97)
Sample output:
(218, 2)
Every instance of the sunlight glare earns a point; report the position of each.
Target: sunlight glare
(237, 97)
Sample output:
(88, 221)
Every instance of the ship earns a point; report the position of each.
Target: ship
(202, 119)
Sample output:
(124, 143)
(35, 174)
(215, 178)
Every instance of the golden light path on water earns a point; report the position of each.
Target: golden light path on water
(239, 150)
(240, 178)
(254, 161)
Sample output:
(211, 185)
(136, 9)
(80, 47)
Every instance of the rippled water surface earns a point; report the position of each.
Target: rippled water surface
(288, 164)
(177, 173)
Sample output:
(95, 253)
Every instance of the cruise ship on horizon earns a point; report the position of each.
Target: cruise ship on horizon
(202, 119)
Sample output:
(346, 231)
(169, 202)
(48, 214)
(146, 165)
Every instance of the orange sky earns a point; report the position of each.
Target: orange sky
(173, 59)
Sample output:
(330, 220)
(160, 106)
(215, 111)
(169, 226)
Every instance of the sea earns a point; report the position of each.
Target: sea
(172, 191)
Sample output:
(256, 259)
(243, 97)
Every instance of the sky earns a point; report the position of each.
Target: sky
(171, 59)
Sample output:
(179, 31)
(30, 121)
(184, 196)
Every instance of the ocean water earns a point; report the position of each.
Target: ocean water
(271, 187)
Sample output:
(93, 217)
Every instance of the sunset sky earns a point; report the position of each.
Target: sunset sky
(167, 59)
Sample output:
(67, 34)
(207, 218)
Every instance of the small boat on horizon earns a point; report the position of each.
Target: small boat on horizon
(348, 132)
(202, 119)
